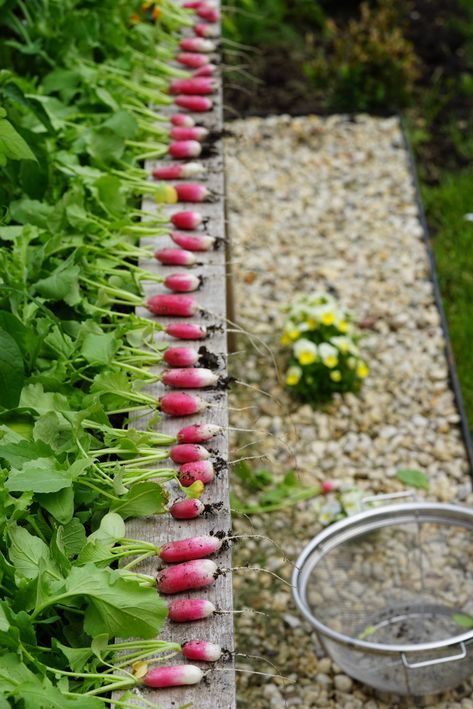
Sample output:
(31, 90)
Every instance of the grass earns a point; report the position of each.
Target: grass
(447, 204)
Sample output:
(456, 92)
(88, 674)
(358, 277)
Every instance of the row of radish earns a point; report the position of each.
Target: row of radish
(191, 569)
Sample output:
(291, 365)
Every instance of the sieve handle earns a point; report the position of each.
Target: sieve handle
(436, 661)
(387, 496)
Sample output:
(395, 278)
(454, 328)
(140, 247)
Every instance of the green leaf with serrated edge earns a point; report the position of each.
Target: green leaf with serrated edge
(12, 145)
(59, 504)
(413, 477)
(17, 454)
(99, 347)
(41, 475)
(73, 537)
(78, 657)
(463, 619)
(143, 499)
(26, 551)
(12, 372)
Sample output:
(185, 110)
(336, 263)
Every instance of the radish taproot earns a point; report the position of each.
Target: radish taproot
(186, 331)
(182, 120)
(175, 257)
(198, 86)
(190, 549)
(191, 192)
(198, 432)
(184, 149)
(172, 676)
(188, 576)
(182, 282)
(198, 104)
(193, 242)
(173, 305)
(181, 357)
(188, 610)
(189, 133)
(201, 650)
(187, 509)
(187, 220)
(197, 44)
(193, 60)
(188, 453)
(179, 172)
(189, 378)
(202, 470)
(180, 403)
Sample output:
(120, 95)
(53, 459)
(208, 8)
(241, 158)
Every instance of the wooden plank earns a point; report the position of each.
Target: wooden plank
(217, 691)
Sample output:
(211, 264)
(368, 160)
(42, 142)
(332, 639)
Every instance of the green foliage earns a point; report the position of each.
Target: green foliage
(324, 357)
(413, 478)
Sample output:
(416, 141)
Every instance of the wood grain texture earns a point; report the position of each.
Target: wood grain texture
(217, 691)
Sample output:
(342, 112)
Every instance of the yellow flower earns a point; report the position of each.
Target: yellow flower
(335, 375)
(307, 357)
(285, 339)
(328, 354)
(294, 334)
(342, 325)
(362, 370)
(328, 318)
(331, 361)
(312, 324)
(293, 376)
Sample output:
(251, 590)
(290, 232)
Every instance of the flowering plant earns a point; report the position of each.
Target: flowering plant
(324, 355)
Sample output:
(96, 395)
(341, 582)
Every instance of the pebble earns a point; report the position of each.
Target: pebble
(329, 203)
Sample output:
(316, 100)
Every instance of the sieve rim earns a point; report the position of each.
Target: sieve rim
(416, 511)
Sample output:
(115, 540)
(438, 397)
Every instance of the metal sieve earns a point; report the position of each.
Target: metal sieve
(389, 592)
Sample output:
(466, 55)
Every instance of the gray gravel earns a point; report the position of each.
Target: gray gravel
(328, 203)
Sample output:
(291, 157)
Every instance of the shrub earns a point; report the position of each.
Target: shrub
(324, 355)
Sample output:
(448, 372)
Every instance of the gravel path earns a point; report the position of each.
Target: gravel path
(328, 203)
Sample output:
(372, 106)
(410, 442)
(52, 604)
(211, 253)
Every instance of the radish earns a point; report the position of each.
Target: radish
(200, 86)
(188, 576)
(202, 30)
(206, 70)
(202, 470)
(188, 453)
(189, 378)
(186, 509)
(207, 12)
(198, 104)
(183, 149)
(179, 403)
(189, 133)
(186, 331)
(191, 192)
(193, 242)
(187, 220)
(192, 60)
(175, 257)
(201, 650)
(197, 44)
(172, 676)
(182, 282)
(173, 305)
(188, 610)
(190, 549)
(181, 357)
(198, 432)
(192, 4)
(177, 172)
(181, 120)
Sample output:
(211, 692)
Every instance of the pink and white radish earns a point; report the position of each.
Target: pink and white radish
(198, 86)
(189, 133)
(189, 576)
(193, 242)
(189, 378)
(202, 470)
(182, 282)
(206, 70)
(173, 305)
(193, 60)
(201, 650)
(180, 403)
(184, 149)
(190, 549)
(181, 120)
(192, 4)
(188, 610)
(197, 44)
(186, 331)
(191, 192)
(207, 12)
(198, 432)
(187, 220)
(187, 509)
(198, 104)
(202, 30)
(181, 357)
(175, 257)
(188, 453)
(172, 676)
(179, 172)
